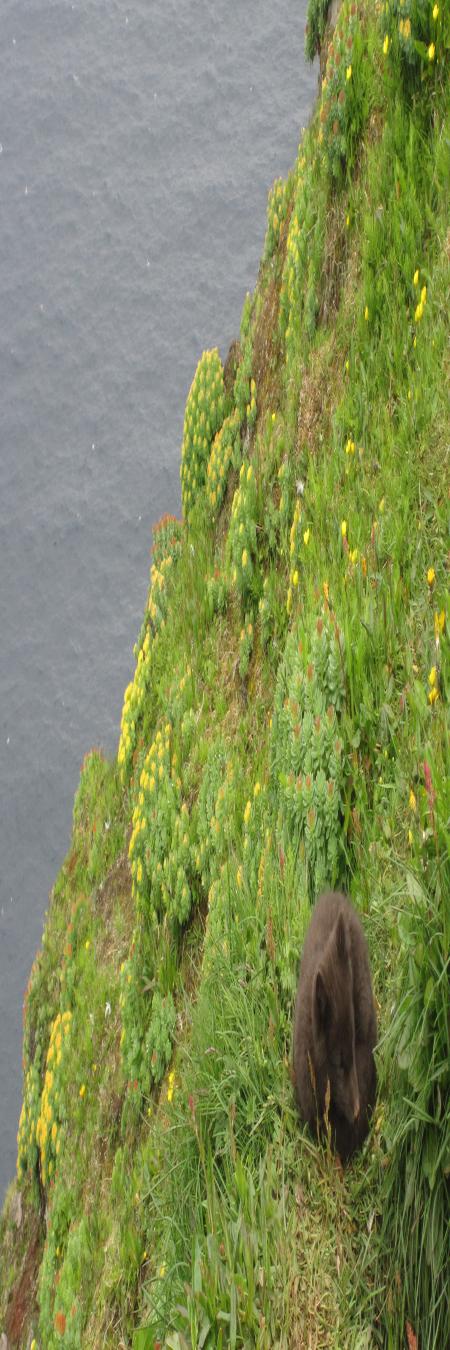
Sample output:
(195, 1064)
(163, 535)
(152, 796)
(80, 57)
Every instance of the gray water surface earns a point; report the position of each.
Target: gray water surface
(138, 143)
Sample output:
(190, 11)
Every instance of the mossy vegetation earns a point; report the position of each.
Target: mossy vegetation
(287, 726)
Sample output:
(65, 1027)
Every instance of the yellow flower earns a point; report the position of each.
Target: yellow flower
(161, 1272)
(348, 73)
(257, 789)
(82, 1089)
(354, 556)
(247, 812)
(306, 537)
(431, 51)
(435, 12)
(386, 45)
(366, 313)
(244, 557)
(239, 878)
(431, 576)
(439, 624)
(419, 312)
(171, 1085)
(295, 578)
(410, 838)
(423, 295)
(412, 800)
(433, 695)
(432, 677)
(416, 277)
(344, 529)
(381, 505)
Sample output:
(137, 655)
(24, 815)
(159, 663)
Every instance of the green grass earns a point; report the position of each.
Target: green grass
(172, 1197)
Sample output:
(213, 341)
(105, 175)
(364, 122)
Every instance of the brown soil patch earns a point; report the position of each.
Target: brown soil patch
(117, 884)
(320, 391)
(335, 262)
(22, 1305)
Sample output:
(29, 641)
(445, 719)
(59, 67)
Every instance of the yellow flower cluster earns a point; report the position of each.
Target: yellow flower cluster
(439, 625)
(202, 419)
(276, 214)
(241, 542)
(251, 406)
(433, 692)
(254, 813)
(132, 704)
(404, 29)
(135, 692)
(170, 1085)
(418, 315)
(26, 1134)
(48, 1125)
(156, 767)
(220, 460)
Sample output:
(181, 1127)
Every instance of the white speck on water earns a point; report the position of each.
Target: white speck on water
(93, 445)
(8, 740)
(26, 190)
(139, 519)
(1, 148)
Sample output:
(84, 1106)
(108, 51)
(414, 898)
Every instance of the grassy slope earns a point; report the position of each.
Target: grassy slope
(174, 1190)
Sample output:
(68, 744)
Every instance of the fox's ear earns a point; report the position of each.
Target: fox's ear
(321, 1001)
(341, 938)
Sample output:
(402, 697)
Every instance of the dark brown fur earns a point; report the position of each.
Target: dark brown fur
(335, 1027)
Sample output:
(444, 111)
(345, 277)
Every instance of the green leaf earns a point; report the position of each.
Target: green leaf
(233, 1316)
(143, 1339)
